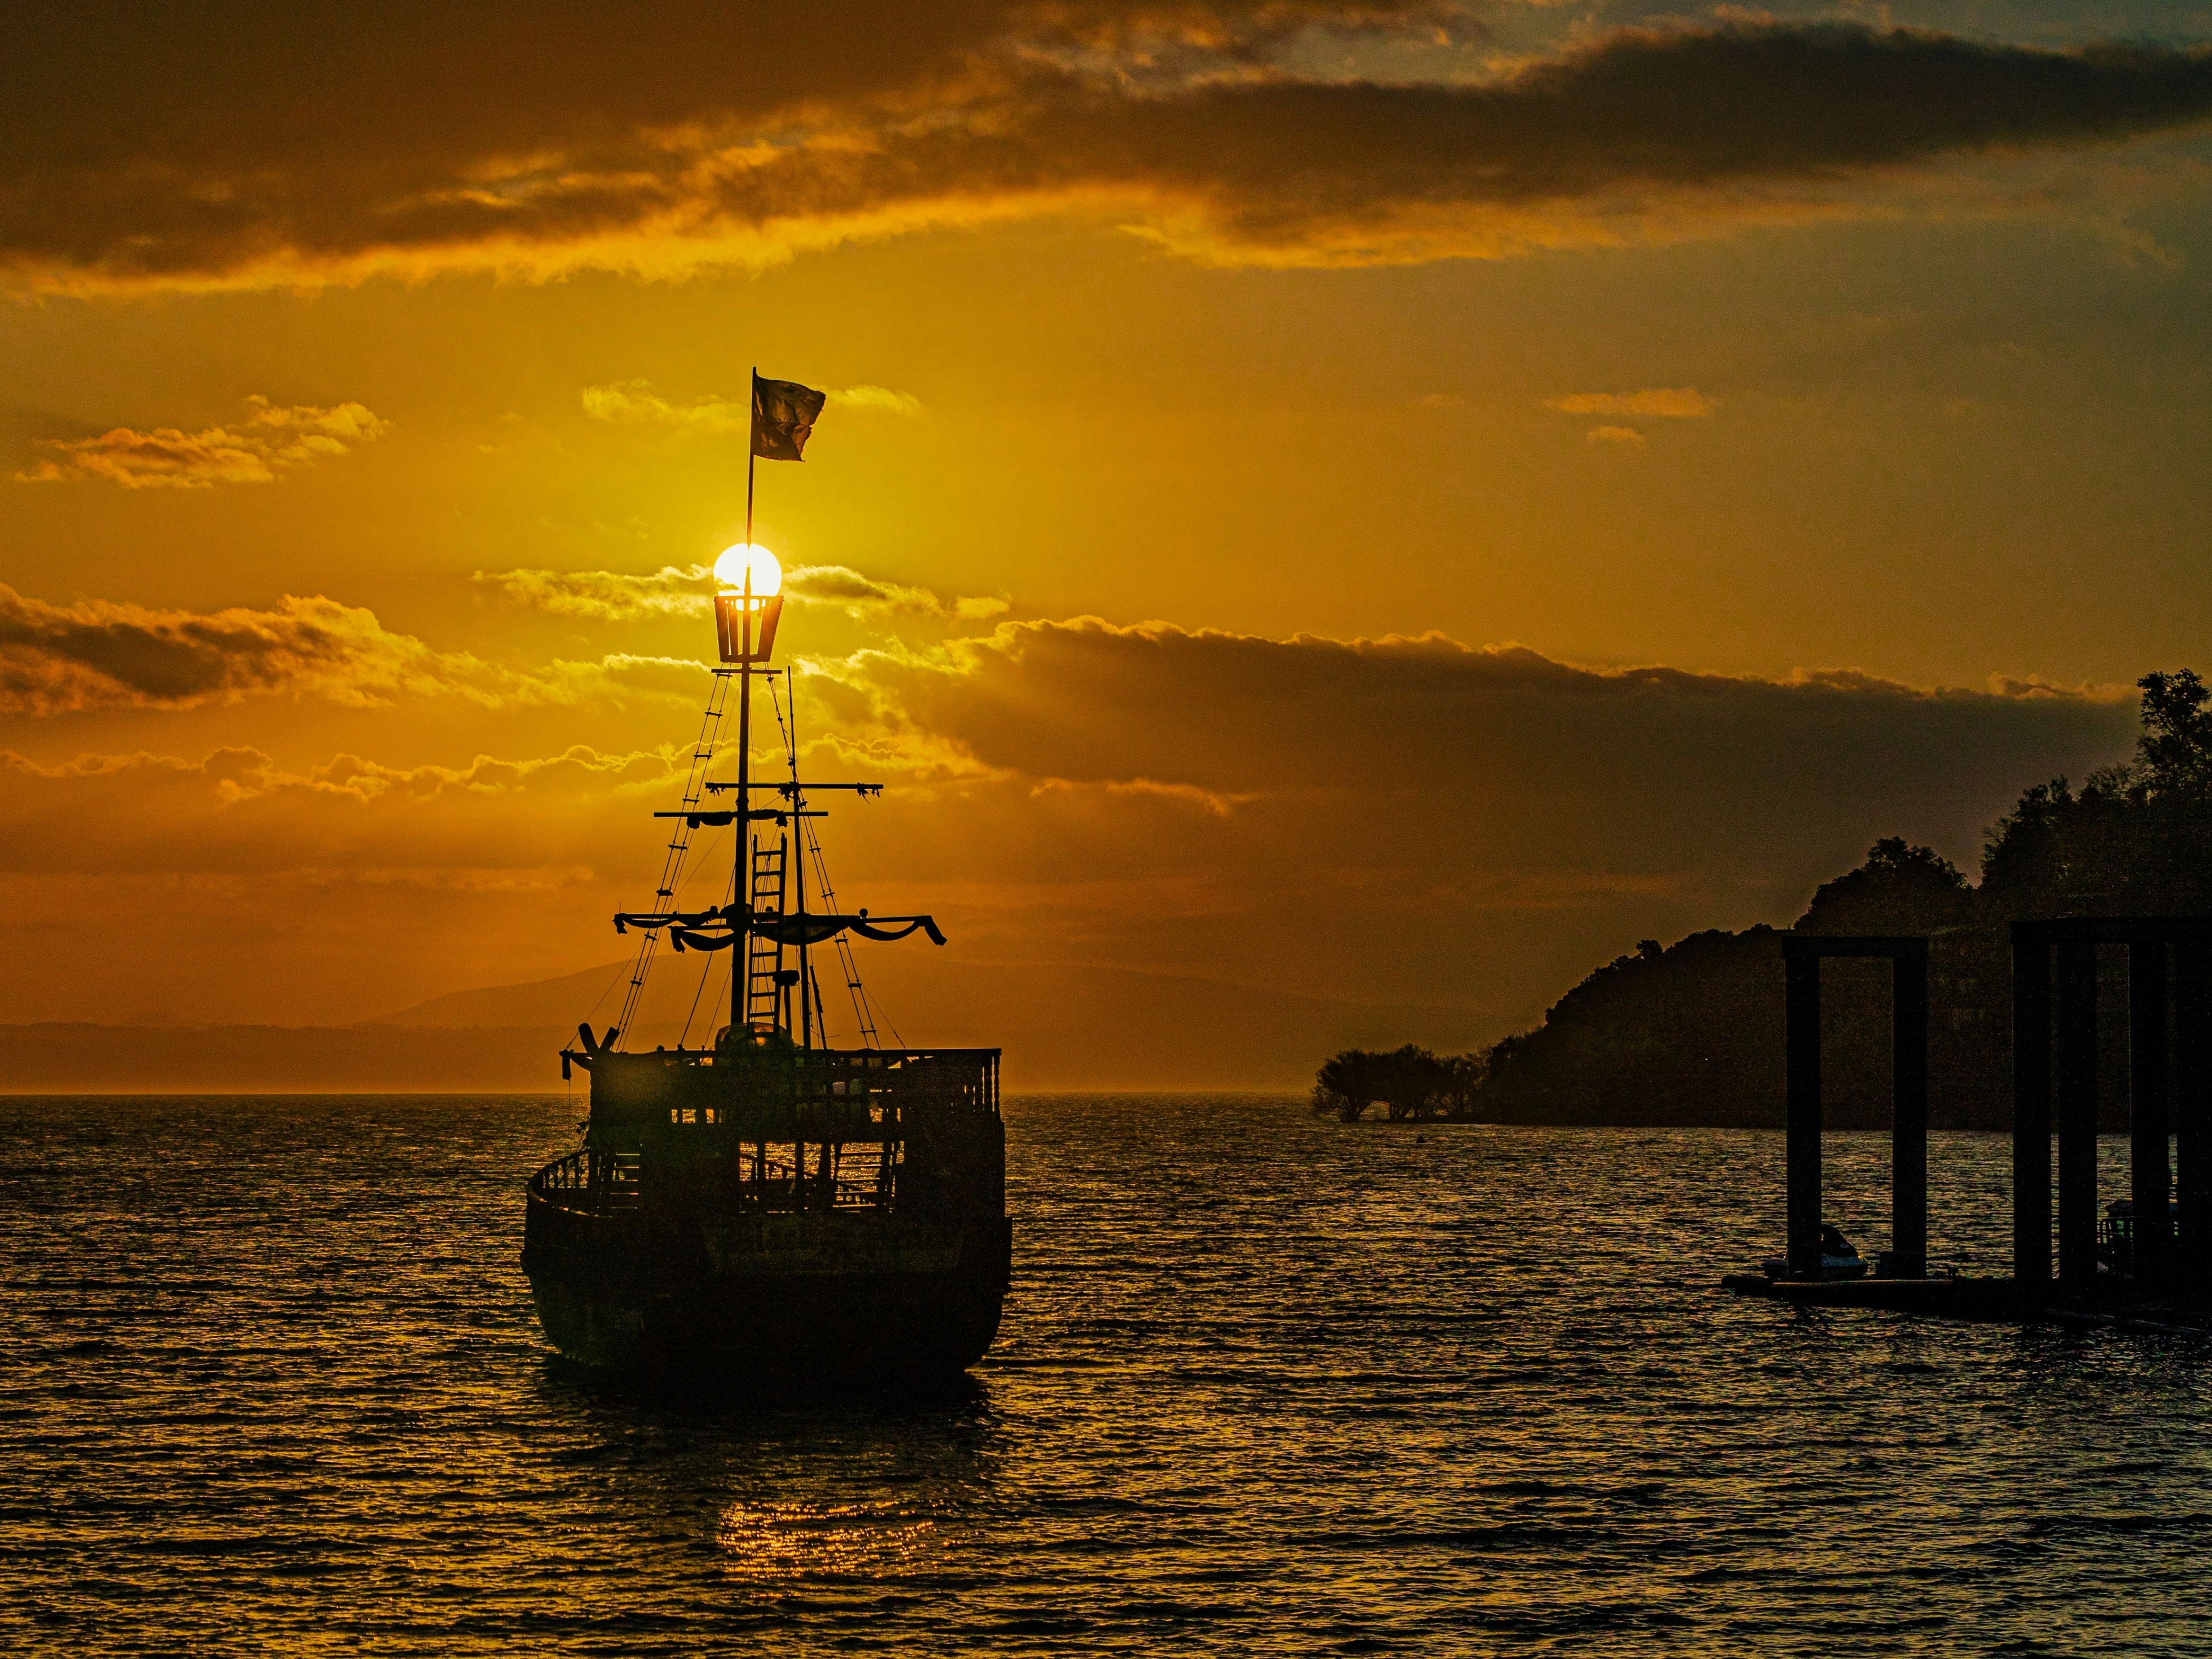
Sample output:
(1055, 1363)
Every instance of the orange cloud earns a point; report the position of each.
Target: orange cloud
(686, 589)
(1668, 403)
(673, 590)
(271, 439)
(634, 402)
(710, 136)
(859, 595)
(349, 819)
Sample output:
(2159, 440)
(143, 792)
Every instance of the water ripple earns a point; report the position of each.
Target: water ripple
(269, 1380)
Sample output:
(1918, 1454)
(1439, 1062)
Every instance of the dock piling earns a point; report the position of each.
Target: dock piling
(2169, 1094)
(2149, 1175)
(2192, 1110)
(2031, 1112)
(1908, 1130)
(1801, 955)
(2077, 1114)
(1801, 1027)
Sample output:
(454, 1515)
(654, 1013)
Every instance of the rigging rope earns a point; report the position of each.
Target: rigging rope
(706, 971)
(811, 844)
(671, 866)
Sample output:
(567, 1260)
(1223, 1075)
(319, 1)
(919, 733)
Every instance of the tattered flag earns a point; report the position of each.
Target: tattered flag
(784, 413)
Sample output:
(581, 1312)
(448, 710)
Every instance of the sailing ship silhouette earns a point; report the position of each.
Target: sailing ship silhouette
(764, 1208)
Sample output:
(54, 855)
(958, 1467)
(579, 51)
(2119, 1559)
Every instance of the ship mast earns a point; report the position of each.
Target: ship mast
(746, 611)
(741, 883)
(745, 626)
(741, 892)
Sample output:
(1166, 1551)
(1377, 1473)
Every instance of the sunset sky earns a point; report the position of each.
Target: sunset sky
(1387, 502)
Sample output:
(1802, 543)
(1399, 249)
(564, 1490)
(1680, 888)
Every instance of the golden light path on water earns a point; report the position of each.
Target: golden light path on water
(784, 1540)
(1267, 1385)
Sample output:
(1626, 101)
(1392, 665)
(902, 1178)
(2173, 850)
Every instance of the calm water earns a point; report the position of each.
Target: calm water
(270, 1383)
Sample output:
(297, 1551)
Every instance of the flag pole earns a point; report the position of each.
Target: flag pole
(753, 450)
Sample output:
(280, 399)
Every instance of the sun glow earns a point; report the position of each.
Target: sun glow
(741, 558)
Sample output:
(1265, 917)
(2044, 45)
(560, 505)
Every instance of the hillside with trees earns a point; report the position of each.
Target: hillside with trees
(1691, 1033)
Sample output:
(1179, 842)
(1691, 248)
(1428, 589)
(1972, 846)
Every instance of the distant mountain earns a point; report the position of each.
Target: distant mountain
(1062, 1027)
(559, 1002)
(75, 1059)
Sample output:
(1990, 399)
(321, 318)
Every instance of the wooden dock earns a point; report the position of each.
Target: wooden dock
(2002, 1300)
(2145, 1265)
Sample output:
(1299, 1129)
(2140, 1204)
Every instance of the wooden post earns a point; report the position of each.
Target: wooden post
(2031, 1108)
(1801, 1027)
(2192, 1101)
(2149, 1175)
(1908, 1129)
(2077, 1114)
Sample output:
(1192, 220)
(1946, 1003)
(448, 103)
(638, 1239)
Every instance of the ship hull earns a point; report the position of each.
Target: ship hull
(758, 1303)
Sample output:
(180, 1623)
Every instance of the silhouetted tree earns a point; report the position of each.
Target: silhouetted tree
(1461, 1083)
(1412, 1084)
(1899, 890)
(1347, 1084)
(2133, 837)
(2175, 754)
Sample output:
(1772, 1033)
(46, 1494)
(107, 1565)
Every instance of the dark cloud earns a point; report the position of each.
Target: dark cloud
(164, 146)
(1416, 814)
(96, 653)
(99, 654)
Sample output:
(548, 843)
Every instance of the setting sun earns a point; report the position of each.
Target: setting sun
(742, 560)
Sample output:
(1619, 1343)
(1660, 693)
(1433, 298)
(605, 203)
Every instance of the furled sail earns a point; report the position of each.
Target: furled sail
(718, 929)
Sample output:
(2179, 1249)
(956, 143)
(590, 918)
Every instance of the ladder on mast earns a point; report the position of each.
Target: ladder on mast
(764, 955)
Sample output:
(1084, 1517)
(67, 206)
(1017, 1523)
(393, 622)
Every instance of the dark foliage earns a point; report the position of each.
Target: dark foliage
(1899, 890)
(1692, 1034)
(2132, 838)
(1410, 1083)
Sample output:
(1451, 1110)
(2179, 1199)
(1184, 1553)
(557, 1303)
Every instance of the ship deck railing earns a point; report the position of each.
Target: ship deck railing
(601, 1182)
(858, 1074)
(588, 1179)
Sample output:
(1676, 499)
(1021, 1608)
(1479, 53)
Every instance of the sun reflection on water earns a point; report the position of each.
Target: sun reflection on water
(798, 1541)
